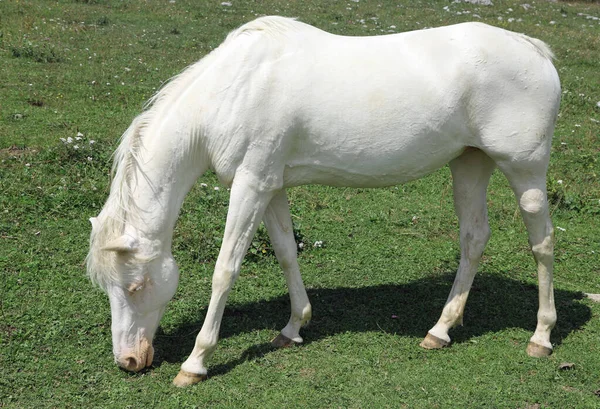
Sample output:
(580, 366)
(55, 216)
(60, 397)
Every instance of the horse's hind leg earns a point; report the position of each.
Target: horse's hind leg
(528, 181)
(279, 226)
(470, 174)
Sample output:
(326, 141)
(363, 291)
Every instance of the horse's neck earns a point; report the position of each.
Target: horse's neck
(165, 171)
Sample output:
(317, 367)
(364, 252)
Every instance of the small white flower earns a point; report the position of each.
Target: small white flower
(216, 188)
(318, 244)
(577, 125)
(69, 140)
(63, 140)
(28, 165)
(203, 185)
(79, 134)
(598, 104)
(560, 228)
(78, 138)
(300, 245)
(226, 3)
(89, 158)
(559, 181)
(75, 147)
(92, 142)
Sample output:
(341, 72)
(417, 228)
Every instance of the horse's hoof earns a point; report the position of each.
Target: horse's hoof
(281, 341)
(185, 378)
(433, 342)
(537, 350)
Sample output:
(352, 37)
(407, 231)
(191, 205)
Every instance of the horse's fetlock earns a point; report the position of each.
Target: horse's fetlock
(306, 314)
(547, 318)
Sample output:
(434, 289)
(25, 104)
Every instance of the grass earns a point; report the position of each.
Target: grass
(378, 282)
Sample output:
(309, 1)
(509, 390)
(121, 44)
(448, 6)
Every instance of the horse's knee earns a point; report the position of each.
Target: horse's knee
(287, 258)
(223, 279)
(533, 201)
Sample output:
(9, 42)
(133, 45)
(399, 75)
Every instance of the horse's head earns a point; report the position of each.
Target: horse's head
(140, 277)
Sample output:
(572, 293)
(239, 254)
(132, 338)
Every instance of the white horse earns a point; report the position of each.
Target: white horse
(281, 104)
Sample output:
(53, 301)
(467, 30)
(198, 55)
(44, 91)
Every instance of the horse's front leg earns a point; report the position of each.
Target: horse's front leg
(247, 205)
(279, 226)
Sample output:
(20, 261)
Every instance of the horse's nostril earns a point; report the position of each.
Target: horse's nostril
(130, 364)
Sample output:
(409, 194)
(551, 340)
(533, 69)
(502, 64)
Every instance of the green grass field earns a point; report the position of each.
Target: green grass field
(84, 68)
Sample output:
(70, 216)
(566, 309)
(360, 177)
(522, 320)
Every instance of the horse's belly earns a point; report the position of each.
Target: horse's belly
(362, 169)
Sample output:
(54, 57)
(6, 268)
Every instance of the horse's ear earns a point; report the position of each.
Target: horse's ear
(94, 222)
(123, 244)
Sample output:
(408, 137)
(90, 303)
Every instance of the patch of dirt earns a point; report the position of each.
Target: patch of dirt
(8, 330)
(307, 372)
(532, 406)
(593, 297)
(35, 102)
(15, 151)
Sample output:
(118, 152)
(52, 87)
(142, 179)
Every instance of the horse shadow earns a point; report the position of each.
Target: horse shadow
(495, 303)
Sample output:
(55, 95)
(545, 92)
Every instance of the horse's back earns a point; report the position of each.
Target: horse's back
(372, 111)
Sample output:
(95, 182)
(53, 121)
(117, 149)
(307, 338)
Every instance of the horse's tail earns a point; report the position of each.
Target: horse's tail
(540, 46)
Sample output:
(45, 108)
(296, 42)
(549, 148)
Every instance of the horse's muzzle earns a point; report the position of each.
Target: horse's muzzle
(135, 363)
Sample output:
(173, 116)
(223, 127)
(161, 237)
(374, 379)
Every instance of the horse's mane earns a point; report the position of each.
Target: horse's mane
(272, 26)
(119, 207)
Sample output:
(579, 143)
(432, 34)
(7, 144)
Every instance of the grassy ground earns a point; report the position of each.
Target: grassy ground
(377, 284)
